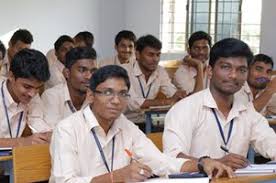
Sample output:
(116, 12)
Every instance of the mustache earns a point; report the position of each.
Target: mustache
(262, 80)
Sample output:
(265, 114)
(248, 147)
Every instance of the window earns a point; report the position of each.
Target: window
(220, 18)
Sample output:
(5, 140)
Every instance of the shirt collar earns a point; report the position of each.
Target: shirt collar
(138, 72)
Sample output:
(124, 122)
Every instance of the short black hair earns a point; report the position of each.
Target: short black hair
(148, 41)
(86, 37)
(125, 34)
(30, 63)
(78, 53)
(108, 72)
(21, 35)
(62, 39)
(230, 47)
(263, 58)
(199, 35)
(2, 49)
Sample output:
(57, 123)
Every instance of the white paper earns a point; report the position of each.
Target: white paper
(184, 180)
(257, 169)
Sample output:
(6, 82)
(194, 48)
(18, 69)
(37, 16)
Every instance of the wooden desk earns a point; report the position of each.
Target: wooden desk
(272, 122)
(245, 179)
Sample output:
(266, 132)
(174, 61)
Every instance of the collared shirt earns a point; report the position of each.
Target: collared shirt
(185, 78)
(32, 115)
(56, 71)
(191, 128)
(246, 95)
(113, 61)
(76, 158)
(5, 67)
(158, 81)
(57, 104)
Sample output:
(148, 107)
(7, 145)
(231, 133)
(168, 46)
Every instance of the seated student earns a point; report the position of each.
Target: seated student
(64, 99)
(191, 76)
(89, 146)
(2, 53)
(62, 45)
(124, 46)
(21, 39)
(28, 72)
(214, 119)
(81, 39)
(147, 79)
(260, 88)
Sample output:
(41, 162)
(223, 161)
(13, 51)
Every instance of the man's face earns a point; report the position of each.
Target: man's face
(13, 49)
(61, 52)
(200, 50)
(125, 49)
(80, 73)
(24, 89)
(259, 75)
(148, 58)
(109, 108)
(228, 74)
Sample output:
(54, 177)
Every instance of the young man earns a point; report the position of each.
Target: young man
(214, 122)
(28, 72)
(147, 79)
(260, 88)
(124, 46)
(64, 99)
(90, 145)
(21, 39)
(62, 45)
(191, 76)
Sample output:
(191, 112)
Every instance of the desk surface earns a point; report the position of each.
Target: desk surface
(245, 179)
(272, 122)
(5, 158)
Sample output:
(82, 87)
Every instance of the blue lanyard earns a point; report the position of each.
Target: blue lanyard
(101, 150)
(220, 128)
(72, 108)
(141, 87)
(7, 114)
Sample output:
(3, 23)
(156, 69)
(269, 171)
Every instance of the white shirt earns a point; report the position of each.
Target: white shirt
(5, 66)
(246, 95)
(113, 61)
(158, 81)
(76, 158)
(57, 104)
(185, 78)
(56, 77)
(14, 110)
(51, 56)
(191, 128)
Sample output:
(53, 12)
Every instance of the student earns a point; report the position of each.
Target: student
(64, 99)
(2, 53)
(191, 76)
(21, 39)
(81, 39)
(124, 46)
(147, 79)
(89, 146)
(260, 88)
(62, 45)
(28, 72)
(213, 118)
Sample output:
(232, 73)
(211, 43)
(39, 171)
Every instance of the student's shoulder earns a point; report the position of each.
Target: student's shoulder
(192, 100)
(71, 122)
(55, 90)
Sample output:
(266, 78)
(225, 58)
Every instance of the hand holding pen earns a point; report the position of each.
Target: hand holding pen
(233, 160)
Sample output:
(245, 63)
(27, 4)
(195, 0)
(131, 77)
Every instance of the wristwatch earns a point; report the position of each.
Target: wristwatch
(200, 164)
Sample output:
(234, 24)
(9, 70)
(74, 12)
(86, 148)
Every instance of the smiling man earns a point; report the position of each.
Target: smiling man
(28, 72)
(124, 46)
(89, 146)
(214, 119)
(64, 99)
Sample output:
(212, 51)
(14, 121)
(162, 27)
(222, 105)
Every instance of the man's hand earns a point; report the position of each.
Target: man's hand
(179, 94)
(134, 172)
(234, 161)
(216, 169)
(36, 138)
(192, 62)
(271, 86)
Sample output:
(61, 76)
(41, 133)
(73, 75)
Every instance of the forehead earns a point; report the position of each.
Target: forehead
(21, 45)
(200, 42)
(67, 44)
(233, 61)
(149, 49)
(116, 84)
(86, 62)
(262, 64)
(30, 82)
(126, 42)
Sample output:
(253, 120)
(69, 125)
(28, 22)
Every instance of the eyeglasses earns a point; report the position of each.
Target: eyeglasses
(110, 93)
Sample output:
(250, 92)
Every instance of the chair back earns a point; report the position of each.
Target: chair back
(156, 138)
(31, 163)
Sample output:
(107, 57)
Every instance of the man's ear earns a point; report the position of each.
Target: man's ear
(89, 96)
(11, 77)
(66, 73)
(209, 72)
(137, 55)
